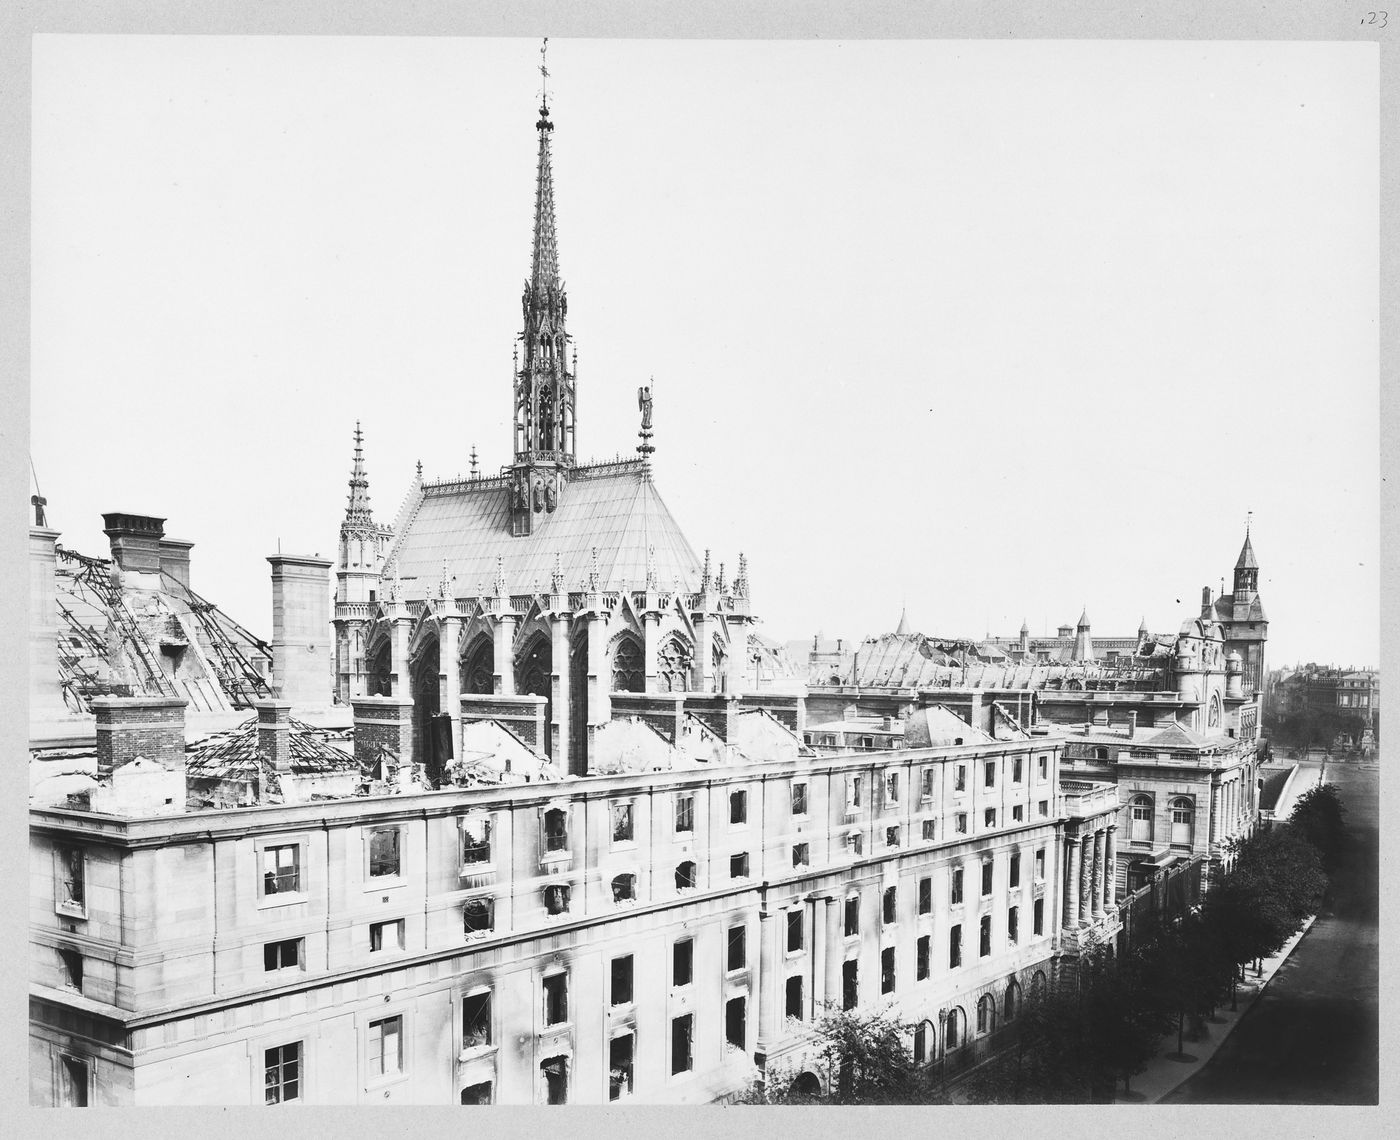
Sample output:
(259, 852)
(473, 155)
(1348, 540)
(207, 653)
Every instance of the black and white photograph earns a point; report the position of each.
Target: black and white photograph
(650, 570)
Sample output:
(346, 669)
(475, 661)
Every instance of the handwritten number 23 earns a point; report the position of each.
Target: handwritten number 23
(1380, 19)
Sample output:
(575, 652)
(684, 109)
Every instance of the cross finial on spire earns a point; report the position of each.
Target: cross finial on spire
(420, 470)
(1248, 522)
(544, 77)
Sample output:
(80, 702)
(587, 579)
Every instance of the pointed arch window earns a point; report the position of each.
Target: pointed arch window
(673, 666)
(1140, 808)
(629, 670)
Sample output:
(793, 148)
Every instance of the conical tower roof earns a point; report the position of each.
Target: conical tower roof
(902, 629)
(1246, 559)
(1084, 619)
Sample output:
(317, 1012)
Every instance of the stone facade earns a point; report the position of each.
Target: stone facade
(502, 944)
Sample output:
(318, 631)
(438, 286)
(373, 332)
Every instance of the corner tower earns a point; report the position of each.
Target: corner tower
(544, 377)
(1241, 616)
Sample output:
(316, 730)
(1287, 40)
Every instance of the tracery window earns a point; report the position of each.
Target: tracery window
(673, 667)
(629, 671)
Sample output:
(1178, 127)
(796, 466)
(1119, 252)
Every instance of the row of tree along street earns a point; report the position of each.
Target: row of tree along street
(1104, 1022)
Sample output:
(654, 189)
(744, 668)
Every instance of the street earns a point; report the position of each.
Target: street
(1313, 1036)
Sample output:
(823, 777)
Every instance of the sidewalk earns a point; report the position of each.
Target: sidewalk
(1163, 1073)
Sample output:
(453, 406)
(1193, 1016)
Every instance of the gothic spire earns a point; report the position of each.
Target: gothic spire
(543, 383)
(357, 512)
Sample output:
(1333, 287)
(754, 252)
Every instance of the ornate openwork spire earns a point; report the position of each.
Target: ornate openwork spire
(543, 382)
(706, 578)
(741, 579)
(357, 512)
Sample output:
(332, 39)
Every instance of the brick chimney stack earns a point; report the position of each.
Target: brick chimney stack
(150, 727)
(135, 540)
(275, 732)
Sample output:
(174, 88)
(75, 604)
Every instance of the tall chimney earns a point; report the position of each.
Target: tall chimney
(301, 623)
(135, 540)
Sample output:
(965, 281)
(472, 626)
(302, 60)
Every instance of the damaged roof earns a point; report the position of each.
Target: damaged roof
(237, 750)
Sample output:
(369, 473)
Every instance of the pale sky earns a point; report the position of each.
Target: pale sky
(994, 329)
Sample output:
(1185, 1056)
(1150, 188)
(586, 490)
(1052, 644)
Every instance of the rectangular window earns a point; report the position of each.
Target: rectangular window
(72, 964)
(620, 1066)
(853, 792)
(736, 956)
(556, 830)
(986, 878)
(989, 773)
(1013, 923)
(73, 1087)
(794, 997)
(852, 916)
(385, 1047)
(799, 855)
(476, 840)
(1018, 813)
(739, 865)
(892, 788)
(478, 916)
(736, 1022)
(887, 970)
(960, 823)
(925, 896)
(1014, 873)
(850, 984)
(556, 999)
(955, 947)
(920, 1044)
(1038, 917)
(555, 1071)
(955, 895)
(476, 1020)
(622, 980)
(891, 837)
(989, 817)
(888, 904)
(984, 936)
(960, 778)
(924, 957)
(685, 814)
(383, 852)
(622, 822)
(1017, 766)
(682, 962)
(799, 799)
(857, 843)
(1042, 809)
(284, 955)
(1044, 765)
(282, 869)
(794, 931)
(926, 788)
(72, 876)
(477, 1094)
(386, 936)
(738, 807)
(928, 829)
(282, 1073)
(556, 898)
(1040, 864)
(682, 1038)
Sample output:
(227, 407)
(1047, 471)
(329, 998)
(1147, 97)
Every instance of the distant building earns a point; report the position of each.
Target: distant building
(1325, 707)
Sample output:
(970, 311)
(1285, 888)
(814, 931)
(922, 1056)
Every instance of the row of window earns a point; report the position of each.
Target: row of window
(1142, 825)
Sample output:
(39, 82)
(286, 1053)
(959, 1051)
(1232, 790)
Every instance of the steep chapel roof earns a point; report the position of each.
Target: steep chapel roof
(611, 507)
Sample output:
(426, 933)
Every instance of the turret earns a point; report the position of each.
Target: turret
(1083, 643)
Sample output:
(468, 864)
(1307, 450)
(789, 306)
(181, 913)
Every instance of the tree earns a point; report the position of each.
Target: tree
(866, 1061)
(1320, 818)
